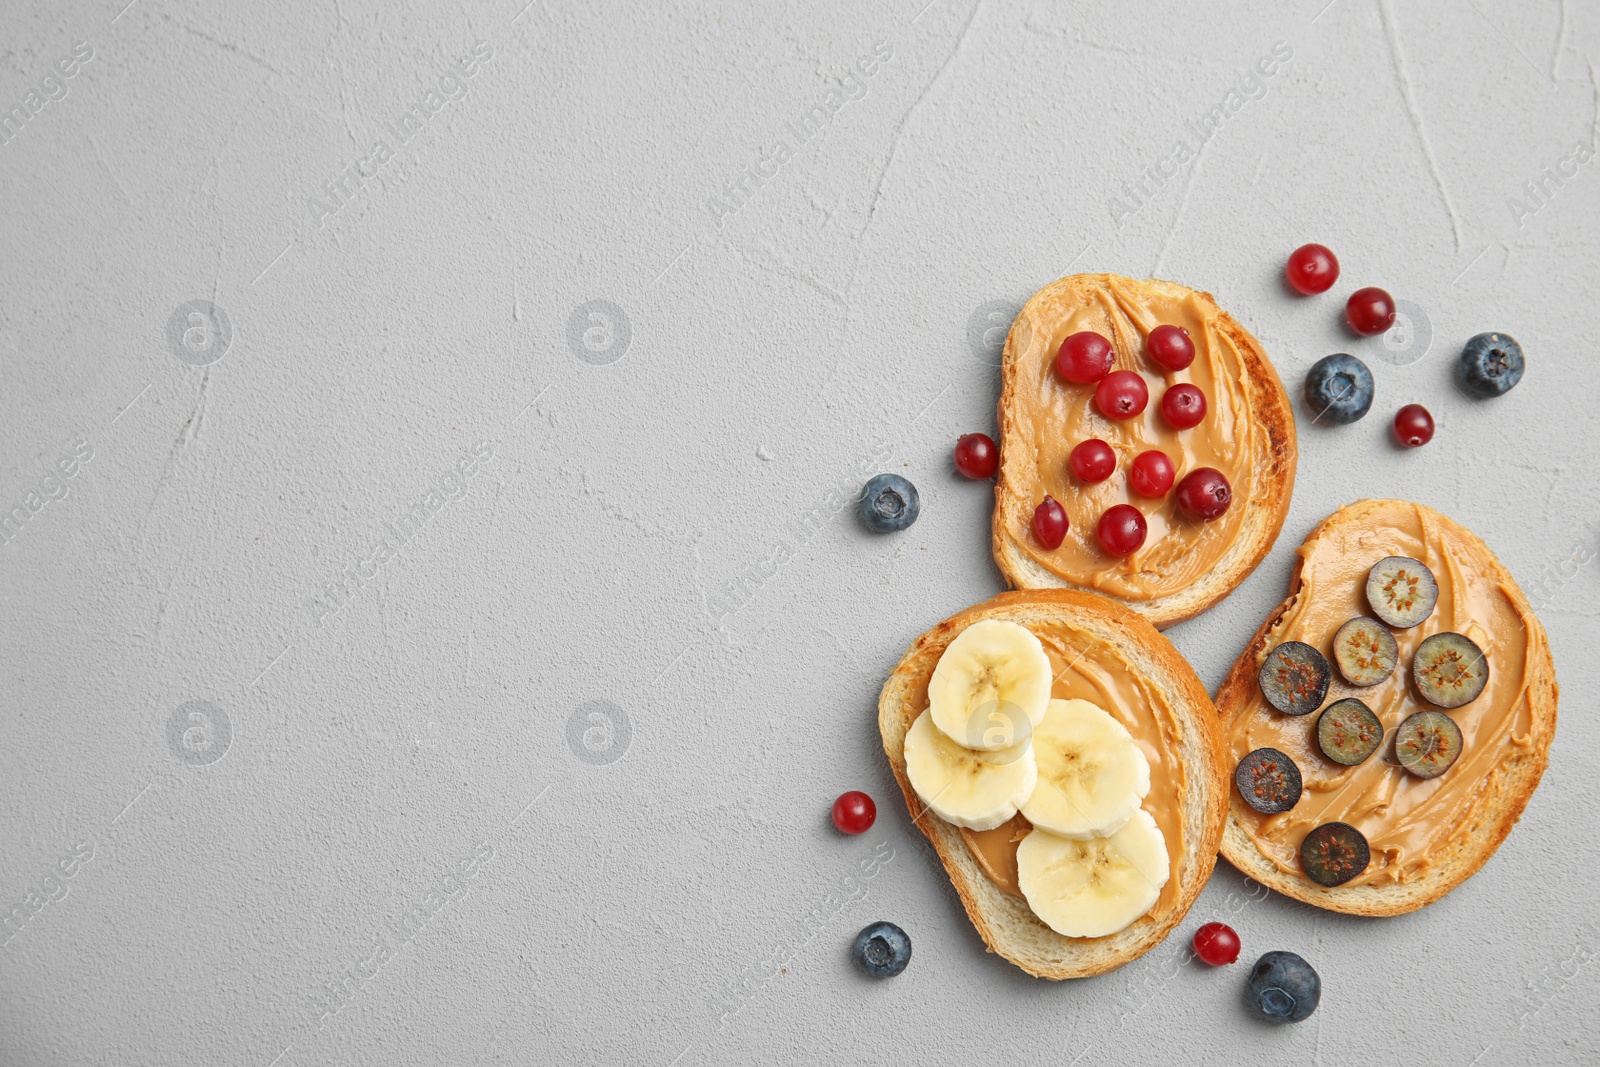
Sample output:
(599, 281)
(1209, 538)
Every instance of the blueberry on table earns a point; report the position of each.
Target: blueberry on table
(1490, 364)
(1283, 988)
(1338, 389)
(883, 949)
(889, 503)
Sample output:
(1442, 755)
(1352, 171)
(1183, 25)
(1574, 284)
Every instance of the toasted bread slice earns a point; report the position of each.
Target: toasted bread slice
(1248, 432)
(1426, 836)
(1109, 646)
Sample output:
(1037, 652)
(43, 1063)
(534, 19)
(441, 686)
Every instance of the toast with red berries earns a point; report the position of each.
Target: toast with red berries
(1186, 561)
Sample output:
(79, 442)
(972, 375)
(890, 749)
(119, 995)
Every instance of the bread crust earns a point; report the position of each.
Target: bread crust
(1471, 846)
(1269, 406)
(1006, 923)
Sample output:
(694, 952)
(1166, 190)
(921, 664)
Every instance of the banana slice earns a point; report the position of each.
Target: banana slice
(1097, 887)
(978, 790)
(991, 686)
(1092, 775)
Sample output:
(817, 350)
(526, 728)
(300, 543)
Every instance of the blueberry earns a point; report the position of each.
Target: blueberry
(889, 503)
(1491, 363)
(1339, 388)
(883, 950)
(1283, 988)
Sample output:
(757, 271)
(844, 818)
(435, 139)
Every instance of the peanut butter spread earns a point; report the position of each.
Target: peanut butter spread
(1053, 415)
(1091, 671)
(1405, 818)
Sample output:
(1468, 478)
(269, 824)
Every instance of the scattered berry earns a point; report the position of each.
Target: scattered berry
(1050, 523)
(1152, 473)
(1121, 394)
(1183, 406)
(1413, 426)
(1170, 347)
(883, 949)
(1216, 944)
(1204, 494)
(854, 812)
(1338, 388)
(1084, 357)
(1491, 363)
(1283, 988)
(1312, 269)
(889, 503)
(976, 456)
(1369, 311)
(1121, 530)
(1093, 460)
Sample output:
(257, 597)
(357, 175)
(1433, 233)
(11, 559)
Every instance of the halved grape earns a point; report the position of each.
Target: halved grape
(1365, 651)
(1268, 781)
(1334, 853)
(1428, 743)
(1402, 591)
(1294, 678)
(1450, 669)
(1348, 732)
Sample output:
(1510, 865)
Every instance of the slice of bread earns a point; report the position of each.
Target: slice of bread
(1499, 765)
(1094, 625)
(1248, 414)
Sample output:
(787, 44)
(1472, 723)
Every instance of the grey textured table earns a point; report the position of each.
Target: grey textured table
(435, 629)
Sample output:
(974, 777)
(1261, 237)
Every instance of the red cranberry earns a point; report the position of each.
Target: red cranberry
(1084, 357)
(1050, 523)
(1312, 269)
(854, 812)
(1170, 347)
(1204, 494)
(1093, 460)
(1413, 426)
(1369, 310)
(1183, 406)
(1151, 474)
(1121, 394)
(1121, 530)
(976, 456)
(1216, 943)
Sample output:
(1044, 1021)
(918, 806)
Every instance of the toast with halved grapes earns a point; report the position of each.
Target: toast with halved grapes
(1388, 723)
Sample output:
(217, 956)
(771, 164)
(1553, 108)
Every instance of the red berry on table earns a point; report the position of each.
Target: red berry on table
(1369, 310)
(1312, 269)
(976, 456)
(1084, 357)
(1050, 523)
(1151, 474)
(1121, 530)
(1169, 347)
(1183, 406)
(854, 812)
(1216, 944)
(1093, 460)
(1204, 494)
(1121, 394)
(1413, 426)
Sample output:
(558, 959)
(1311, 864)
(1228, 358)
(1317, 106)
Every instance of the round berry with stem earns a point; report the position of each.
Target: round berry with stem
(1092, 460)
(1151, 474)
(1170, 347)
(1413, 426)
(1312, 269)
(1121, 394)
(1050, 523)
(1084, 357)
(1122, 530)
(1369, 311)
(1183, 406)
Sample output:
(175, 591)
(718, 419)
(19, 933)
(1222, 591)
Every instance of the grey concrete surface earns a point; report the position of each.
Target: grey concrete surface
(437, 631)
